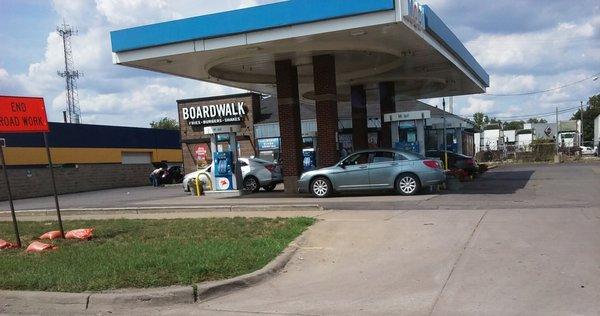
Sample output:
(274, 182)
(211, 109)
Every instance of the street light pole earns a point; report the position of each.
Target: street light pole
(581, 133)
(445, 137)
(556, 132)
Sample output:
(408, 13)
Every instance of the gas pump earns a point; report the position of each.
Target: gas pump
(309, 161)
(408, 130)
(407, 136)
(223, 170)
(226, 173)
(309, 152)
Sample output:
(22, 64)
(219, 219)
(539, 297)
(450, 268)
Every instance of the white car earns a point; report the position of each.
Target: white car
(256, 174)
(193, 175)
(587, 150)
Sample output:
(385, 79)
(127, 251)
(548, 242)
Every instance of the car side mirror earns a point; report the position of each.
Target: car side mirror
(343, 166)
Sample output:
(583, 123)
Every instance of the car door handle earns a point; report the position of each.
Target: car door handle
(362, 167)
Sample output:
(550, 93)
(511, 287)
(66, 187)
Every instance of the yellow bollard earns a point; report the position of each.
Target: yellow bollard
(200, 188)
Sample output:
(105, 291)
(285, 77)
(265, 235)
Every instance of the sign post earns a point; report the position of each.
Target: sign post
(10, 199)
(26, 115)
(60, 224)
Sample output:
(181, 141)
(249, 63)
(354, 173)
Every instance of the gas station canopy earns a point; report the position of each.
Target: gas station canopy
(373, 41)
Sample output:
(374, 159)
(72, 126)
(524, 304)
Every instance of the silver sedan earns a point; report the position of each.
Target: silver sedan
(377, 169)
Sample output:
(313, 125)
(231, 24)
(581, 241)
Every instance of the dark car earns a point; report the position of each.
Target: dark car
(455, 161)
(173, 175)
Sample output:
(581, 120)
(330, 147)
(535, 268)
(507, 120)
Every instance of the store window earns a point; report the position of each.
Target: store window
(269, 149)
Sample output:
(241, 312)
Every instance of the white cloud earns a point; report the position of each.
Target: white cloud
(475, 104)
(112, 94)
(508, 84)
(561, 47)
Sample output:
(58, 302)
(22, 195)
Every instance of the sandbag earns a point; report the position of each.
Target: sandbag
(82, 234)
(37, 246)
(7, 245)
(55, 234)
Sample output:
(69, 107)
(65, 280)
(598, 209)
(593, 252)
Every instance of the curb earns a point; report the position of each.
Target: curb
(209, 290)
(154, 210)
(150, 297)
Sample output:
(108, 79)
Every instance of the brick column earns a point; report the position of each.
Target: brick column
(359, 118)
(388, 105)
(327, 115)
(288, 101)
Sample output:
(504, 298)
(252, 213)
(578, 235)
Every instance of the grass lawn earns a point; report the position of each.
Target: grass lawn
(145, 253)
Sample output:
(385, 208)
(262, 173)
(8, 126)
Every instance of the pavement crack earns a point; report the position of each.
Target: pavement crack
(396, 214)
(462, 251)
(255, 312)
(584, 214)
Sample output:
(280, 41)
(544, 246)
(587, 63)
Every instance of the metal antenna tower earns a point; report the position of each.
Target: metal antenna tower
(70, 74)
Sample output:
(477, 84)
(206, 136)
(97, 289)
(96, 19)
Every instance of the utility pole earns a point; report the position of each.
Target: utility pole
(70, 74)
(445, 136)
(556, 132)
(581, 132)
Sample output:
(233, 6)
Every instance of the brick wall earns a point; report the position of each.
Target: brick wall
(36, 182)
(288, 101)
(360, 131)
(388, 105)
(326, 110)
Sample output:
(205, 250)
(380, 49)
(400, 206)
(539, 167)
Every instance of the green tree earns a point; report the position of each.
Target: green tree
(165, 123)
(480, 120)
(589, 114)
(534, 120)
(514, 125)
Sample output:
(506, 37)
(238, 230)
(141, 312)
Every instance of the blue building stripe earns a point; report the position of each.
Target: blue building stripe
(97, 136)
(287, 13)
(436, 27)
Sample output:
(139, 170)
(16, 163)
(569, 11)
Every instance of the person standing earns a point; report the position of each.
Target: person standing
(155, 176)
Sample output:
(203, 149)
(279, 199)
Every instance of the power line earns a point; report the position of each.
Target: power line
(543, 91)
(536, 115)
(527, 40)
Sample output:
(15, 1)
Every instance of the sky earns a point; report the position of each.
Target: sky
(525, 46)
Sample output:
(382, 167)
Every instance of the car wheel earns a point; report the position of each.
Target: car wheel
(251, 184)
(270, 187)
(321, 187)
(407, 184)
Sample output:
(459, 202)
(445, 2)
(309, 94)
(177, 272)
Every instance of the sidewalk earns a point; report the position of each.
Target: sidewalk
(308, 211)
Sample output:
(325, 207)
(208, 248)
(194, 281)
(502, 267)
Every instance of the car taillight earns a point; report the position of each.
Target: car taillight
(432, 164)
(271, 168)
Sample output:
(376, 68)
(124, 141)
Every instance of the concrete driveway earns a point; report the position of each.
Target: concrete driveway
(474, 262)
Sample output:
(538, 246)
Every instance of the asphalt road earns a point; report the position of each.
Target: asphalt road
(550, 186)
